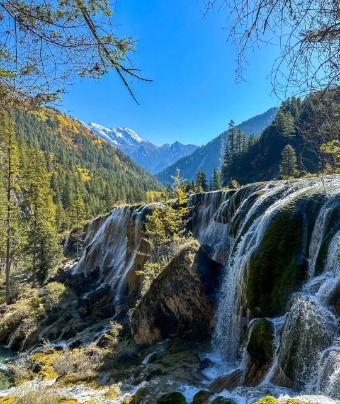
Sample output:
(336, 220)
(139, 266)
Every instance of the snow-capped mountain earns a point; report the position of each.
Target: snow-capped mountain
(148, 155)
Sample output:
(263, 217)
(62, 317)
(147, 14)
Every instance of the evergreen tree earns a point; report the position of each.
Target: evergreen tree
(216, 181)
(232, 139)
(9, 179)
(288, 162)
(284, 123)
(164, 227)
(42, 248)
(225, 171)
(76, 216)
(201, 182)
(241, 142)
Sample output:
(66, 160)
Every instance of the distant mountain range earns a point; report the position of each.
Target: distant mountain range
(151, 157)
(210, 156)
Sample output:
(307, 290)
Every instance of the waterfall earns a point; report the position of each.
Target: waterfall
(235, 225)
(210, 228)
(232, 316)
(112, 244)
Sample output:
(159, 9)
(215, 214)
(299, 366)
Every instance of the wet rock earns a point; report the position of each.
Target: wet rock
(222, 400)
(276, 269)
(140, 394)
(255, 373)
(101, 302)
(206, 363)
(260, 347)
(179, 303)
(329, 376)
(308, 330)
(202, 397)
(228, 382)
(280, 379)
(172, 398)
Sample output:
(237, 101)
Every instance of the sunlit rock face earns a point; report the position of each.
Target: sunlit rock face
(180, 302)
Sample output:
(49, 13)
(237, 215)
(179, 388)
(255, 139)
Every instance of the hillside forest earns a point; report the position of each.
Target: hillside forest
(54, 175)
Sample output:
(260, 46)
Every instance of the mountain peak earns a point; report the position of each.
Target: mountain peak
(148, 155)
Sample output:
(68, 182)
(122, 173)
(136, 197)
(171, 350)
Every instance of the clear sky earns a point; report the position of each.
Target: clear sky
(193, 95)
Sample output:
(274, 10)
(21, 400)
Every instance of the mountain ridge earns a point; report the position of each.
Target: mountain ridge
(153, 158)
(210, 156)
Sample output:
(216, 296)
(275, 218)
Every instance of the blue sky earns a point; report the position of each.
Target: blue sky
(193, 95)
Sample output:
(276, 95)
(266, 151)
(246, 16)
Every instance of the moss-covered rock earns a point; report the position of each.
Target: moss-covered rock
(278, 267)
(260, 345)
(202, 397)
(172, 398)
(140, 394)
(8, 400)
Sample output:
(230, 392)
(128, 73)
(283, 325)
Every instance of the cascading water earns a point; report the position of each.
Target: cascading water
(307, 353)
(112, 245)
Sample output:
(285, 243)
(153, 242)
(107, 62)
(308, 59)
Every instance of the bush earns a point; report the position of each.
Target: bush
(53, 295)
(267, 400)
(79, 364)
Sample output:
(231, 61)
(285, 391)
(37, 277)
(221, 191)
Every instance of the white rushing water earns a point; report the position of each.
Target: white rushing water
(111, 245)
(309, 332)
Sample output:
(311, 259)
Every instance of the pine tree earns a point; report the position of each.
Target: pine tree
(216, 181)
(232, 138)
(288, 162)
(43, 248)
(9, 180)
(77, 215)
(164, 227)
(285, 124)
(201, 182)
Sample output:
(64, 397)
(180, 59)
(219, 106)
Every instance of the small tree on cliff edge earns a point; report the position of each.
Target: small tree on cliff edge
(288, 162)
(165, 227)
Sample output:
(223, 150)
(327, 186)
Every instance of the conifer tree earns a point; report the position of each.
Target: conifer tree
(42, 248)
(201, 182)
(288, 162)
(216, 181)
(225, 171)
(164, 227)
(232, 138)
(285, 124)
(77, 215)
(9, 179)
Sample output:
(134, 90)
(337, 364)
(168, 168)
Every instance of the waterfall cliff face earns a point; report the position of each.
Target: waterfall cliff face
(278, 311)
(114, 245)
(280, 246)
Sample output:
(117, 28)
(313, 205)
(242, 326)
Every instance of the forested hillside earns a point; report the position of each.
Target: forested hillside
(303, 138)
(81, 164)
(210, 156)
(54, 174)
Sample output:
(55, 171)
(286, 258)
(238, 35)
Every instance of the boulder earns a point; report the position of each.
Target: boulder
(227, 382)
(260, 348)
(202, 397)
(308, 330)
(180, 302)
(172, 398)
